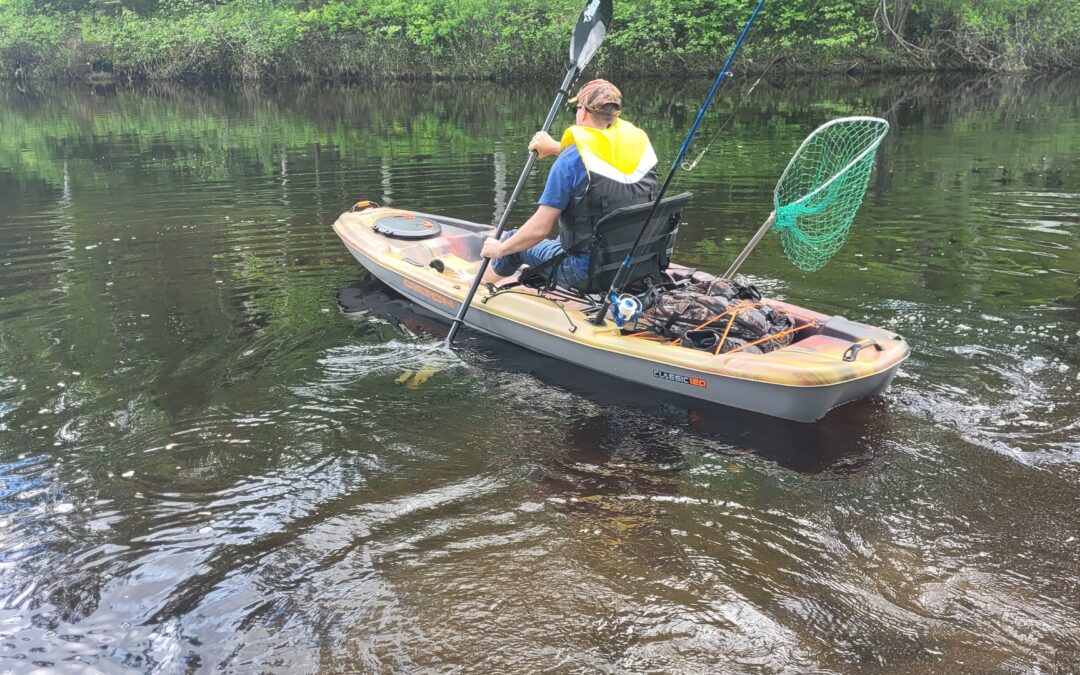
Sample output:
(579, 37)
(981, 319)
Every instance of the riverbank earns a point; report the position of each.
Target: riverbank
(342, 40)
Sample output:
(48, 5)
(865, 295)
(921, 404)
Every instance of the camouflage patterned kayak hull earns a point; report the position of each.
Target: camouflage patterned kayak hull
(831, 363)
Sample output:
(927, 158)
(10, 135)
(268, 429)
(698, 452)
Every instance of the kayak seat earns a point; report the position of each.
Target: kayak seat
(613, 237)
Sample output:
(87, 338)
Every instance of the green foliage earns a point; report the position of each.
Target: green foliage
(28, 40)
(260, 39)
(1007, 34)
(845, 23)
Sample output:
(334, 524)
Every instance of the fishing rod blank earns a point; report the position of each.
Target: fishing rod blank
(724, 73)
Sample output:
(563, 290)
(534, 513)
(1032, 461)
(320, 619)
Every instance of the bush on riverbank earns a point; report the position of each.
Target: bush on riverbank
(311, 39)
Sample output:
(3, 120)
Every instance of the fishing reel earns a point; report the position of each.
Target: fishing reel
(625, 309)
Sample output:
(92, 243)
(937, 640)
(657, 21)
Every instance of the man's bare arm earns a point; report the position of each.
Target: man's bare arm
(536, 229)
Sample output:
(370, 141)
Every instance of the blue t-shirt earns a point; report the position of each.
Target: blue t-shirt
(566, 179)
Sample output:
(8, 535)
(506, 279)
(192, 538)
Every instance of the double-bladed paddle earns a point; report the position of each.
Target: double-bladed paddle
(591, 28)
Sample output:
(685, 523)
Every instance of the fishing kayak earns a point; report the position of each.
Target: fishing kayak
(432, 260)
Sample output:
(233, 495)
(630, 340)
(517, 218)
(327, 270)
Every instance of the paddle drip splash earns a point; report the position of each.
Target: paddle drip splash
(823, 187)
(411, 355)
(409, 363)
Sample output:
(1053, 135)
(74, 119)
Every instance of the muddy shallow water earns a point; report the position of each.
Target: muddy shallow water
(207, 462)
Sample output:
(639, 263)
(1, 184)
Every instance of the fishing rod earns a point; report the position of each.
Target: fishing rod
(620, 275)
(588, 34)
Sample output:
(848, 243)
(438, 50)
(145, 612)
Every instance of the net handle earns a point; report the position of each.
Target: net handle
(758, 236)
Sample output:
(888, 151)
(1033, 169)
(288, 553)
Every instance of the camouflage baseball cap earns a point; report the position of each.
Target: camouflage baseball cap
(599, 96)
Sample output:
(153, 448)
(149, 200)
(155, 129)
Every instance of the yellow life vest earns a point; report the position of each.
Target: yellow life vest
(621, 168)
(622, 152)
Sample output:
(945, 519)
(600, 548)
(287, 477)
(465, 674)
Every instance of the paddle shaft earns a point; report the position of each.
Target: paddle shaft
(724, 73)
(750, 247)
(484, 262)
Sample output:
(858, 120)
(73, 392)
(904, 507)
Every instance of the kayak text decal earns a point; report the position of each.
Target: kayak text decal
(428, 293)
(681, 379)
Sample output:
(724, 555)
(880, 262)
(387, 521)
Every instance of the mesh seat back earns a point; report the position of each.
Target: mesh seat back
(615, 235)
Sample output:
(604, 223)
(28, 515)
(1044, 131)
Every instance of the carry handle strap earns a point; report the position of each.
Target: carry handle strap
(852, 352)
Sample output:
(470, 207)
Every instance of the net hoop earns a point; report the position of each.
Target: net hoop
(822, 187)
(871, 147)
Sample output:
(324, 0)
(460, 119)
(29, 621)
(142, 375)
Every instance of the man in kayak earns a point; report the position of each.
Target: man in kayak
(604, 163)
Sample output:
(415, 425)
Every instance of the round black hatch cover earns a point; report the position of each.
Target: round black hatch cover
(407, 226)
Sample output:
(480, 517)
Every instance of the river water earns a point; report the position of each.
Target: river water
(208, 462)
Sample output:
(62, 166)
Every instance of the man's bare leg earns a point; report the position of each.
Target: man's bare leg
(491, 277)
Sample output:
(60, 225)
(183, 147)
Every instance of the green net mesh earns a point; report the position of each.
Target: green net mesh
(823, 186)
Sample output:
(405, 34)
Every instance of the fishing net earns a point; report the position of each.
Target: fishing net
(822, 188)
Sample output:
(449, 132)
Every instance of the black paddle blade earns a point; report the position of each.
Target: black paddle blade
(590, 31)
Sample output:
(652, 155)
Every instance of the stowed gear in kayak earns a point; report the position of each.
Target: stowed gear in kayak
(717, 315)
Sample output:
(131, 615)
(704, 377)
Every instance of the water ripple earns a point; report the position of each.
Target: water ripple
(205, 465)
